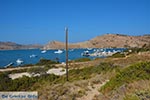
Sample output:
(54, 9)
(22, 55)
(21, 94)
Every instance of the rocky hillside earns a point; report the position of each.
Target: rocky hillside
(14, 46)
(105, 41)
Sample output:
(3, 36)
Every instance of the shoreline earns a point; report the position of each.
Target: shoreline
(142, 56)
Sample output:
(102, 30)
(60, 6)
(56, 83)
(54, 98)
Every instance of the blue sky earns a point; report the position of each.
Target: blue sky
(41, 21)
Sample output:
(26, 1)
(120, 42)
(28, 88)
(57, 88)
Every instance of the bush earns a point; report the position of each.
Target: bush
(117, 55)
(86, 73)
(134, 72)
(22, 84)
(144, 48)
(131, 97)
(82, 59)
(37, 70)
(17, 71)
(46, 62)
(47, 67)
(25, 83)
(5, 81)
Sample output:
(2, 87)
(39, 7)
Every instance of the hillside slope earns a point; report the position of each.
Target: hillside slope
(105, 41)
(14, 46)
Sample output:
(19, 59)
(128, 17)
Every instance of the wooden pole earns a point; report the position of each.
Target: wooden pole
(66, 54)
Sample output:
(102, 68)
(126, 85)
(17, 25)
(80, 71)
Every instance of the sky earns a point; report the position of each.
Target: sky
(41, 21)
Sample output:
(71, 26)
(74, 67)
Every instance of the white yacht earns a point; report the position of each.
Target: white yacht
(19, 61)
(58, 51)
(33, 56)
(43, 51)
(85, 53)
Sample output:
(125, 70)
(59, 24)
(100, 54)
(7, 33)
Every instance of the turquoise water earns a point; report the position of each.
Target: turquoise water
(10, 56)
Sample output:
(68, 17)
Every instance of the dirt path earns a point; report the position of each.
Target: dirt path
(93, 90)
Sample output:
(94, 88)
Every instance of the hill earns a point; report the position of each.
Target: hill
(105, 41)
(14, 46)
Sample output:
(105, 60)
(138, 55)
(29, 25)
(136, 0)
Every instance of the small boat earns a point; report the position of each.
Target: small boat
(19, 61)
(89, 48)
(10, 64)
(94, 50)
(59, 51)
(71, 50)
(33, 56)
(43, 51)
(85, 53)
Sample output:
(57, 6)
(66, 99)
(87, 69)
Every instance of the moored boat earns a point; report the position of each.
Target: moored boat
(58, 51)
(19, 61)
(43, 51)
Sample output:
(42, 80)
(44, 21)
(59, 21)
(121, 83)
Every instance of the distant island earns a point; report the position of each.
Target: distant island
(105, 41)
(15, 46)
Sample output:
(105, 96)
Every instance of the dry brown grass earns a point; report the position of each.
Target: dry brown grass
(71, 90)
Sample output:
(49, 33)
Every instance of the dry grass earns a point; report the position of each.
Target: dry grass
(71, 90)
(138, 90)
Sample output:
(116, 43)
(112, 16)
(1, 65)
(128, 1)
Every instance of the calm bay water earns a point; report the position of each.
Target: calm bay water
(10, 56)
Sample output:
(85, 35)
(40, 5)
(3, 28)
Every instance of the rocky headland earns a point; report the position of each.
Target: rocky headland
(15, 46)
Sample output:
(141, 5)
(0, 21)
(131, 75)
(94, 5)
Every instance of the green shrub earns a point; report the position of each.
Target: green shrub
(145, 47)
(25, 83)
(131, 97)
(4, 81)
(117, 55)
(17, 71)
(22, 84)
(82, 59)
(107, 66)
(134, 72)
(46, 62)
(27, 65)
(86, 73)
(47, 67)
(37, 70)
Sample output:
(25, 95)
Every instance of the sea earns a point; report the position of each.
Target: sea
(32, 56)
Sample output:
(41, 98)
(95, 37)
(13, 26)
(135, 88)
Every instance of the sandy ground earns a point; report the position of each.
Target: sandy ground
(18, 75)
(55, 71)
